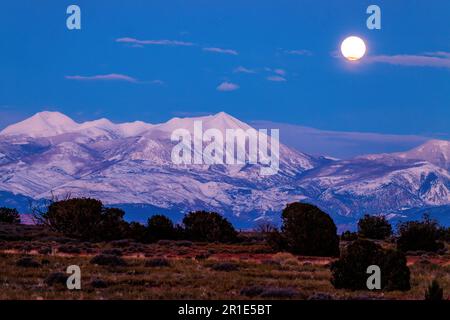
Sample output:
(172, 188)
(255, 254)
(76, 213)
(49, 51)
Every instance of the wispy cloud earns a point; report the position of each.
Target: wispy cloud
(439, 53)
(438, 59)
(104, 77)
(221, 50)
(138, 42)
(160, 82)
(276, 78)
(227, 86)
(242, 69)
(301, 52)
(280, 72)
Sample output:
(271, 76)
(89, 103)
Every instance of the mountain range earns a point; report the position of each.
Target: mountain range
(129, 165)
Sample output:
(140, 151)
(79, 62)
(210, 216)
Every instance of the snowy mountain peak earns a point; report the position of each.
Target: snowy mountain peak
(442, 145)
(42, 124)
(223, 120)
(220, 121)
(49, 124)
(434, 151)
(102, 123)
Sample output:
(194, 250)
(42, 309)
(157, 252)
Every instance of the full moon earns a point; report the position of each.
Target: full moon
(353, 48)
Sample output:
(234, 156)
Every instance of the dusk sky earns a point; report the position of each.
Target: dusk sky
(276, 61)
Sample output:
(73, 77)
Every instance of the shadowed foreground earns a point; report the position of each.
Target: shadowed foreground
(186, 270)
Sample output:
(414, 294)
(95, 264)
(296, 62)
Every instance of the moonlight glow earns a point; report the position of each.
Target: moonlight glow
(353, 48)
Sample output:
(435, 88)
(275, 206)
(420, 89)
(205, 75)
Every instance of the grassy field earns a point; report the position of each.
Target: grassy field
(185, 270)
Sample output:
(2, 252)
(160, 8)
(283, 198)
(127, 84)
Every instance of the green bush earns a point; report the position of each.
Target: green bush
(108, 260)
(349, 236)
(137, 232)
(374, 227)
(434, 292)
(419, 235)
(349, 272)
(444, 234)
(307, 230)
(85, 219)
(9, 215)
(160, 227)
(276, 241)
(112, 225)
(209, 227)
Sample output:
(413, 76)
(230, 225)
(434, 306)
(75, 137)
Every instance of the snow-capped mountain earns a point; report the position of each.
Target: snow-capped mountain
(51, 124)
(380, 186)
(434, 151)
(49, 155)
(131, 164)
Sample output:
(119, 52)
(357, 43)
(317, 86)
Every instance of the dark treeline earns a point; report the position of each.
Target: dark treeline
(305, 228)
(89, 220)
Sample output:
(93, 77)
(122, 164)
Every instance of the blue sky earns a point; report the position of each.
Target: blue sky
(273, 60)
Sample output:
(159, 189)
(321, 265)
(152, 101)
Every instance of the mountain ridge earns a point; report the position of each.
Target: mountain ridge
(130, 163)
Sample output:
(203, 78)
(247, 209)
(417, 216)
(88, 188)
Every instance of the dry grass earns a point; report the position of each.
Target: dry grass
(280, 275)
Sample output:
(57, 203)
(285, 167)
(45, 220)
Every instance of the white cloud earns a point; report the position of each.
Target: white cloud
(301, 52)
(438, 59)
(227, 86)
(276, 78)
(221, 50)
(103, 77)
(280, 72)
(242, 69)
(137, 42)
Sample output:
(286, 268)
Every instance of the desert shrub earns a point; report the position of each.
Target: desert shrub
(69, 249)
(270, 262)
(99, 283)
(252, 291)
(165, 242)
(85, 219)
(108, 260)
(307, 230)
(8, 215)
(77, 218)
(137, 232)
(395, 273)
(320, 296)
(225, 266)
(285, 259)
(157, 262)
(278, 293)
(112, 225)
(276, 240)
(349, 236)
(444, 234)
(113, 252)
(374, 227)
(350, 270)
(56, 278)
(57, 239)
(434, 292)
(27, 262)
(419, 235)
(45, 250)
(209, 227)
(122, 243)
(160, 227)
(268, 292)
(202, 256)
(184, 243)
(265, 227)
